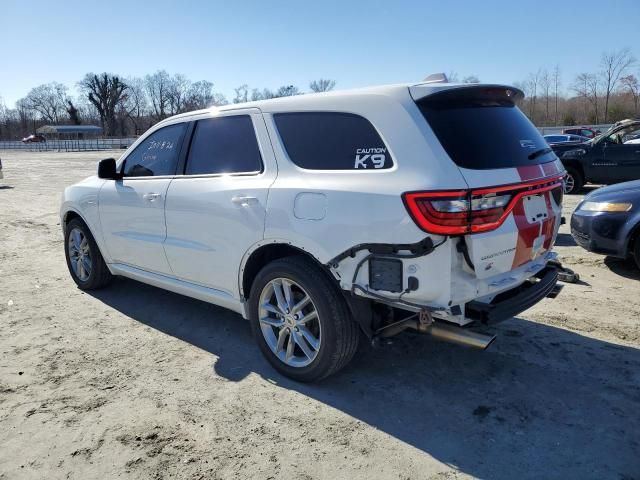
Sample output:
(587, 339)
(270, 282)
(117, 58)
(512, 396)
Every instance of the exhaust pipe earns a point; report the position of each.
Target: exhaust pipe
(441, 331)
(461, 336)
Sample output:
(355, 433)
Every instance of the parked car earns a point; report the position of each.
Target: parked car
(319, 216)
(35, 138)
(551, 139)
(607, 221)
(582, 131)
(610, 158)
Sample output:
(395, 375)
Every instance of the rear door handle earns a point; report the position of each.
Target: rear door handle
(150, 197)
(244, 201)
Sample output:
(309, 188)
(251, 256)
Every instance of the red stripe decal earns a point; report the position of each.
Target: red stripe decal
(549, 223)
(527, 233)
(529, 172)
(550, 168)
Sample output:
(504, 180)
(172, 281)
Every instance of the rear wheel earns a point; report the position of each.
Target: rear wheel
(573, 182)
(84, 260)
(301, 321)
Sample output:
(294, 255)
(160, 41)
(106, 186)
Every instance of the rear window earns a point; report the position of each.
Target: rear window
(482, 128)
(224, 145)
(332, 141)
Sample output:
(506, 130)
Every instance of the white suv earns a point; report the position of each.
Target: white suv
(431, 206)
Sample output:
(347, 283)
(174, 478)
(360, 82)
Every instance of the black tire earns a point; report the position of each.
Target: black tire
(340, 333)
(99, 275)
(578, 181)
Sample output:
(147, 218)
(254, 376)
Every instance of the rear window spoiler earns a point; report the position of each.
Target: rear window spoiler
(423, 90)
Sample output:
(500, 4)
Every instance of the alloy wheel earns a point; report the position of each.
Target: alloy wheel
(79, 254)
(569, 183)
(289, 322)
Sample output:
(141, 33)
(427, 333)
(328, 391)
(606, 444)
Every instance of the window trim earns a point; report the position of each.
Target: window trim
(187, 151)
(144, 139)
(353, 171)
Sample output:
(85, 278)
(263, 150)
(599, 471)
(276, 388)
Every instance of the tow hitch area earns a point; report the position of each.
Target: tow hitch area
(423, 322)
(565, 274)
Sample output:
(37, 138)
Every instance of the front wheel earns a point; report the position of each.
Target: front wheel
(301, 321)
(85, 262)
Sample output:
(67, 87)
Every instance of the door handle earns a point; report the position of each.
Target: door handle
(150, 197)
(243, 200)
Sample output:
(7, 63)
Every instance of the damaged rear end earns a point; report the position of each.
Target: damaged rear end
(495, 235)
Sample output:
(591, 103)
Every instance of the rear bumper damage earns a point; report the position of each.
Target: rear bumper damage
(512, 302)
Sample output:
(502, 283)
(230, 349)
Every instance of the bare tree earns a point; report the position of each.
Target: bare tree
(287, 91)
(157, 86)
(630, 84)
(178, 87)
(533, 82)
(106, 92)
(556, 79)
(135, 104)
(322, 85)
(49, 101)
(587, 86)
(545, 88)
(242, 94)
(614, 64)
(74, 116)
(200, 95)
(471, 79)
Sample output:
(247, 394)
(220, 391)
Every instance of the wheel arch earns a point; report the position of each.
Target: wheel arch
(633, 238)
(263, 253)
(69, 215)
(575, 165)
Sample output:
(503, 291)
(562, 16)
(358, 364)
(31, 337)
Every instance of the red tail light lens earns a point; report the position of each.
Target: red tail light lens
(470, 211)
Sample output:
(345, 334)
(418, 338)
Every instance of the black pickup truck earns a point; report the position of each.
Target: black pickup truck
(609, 158)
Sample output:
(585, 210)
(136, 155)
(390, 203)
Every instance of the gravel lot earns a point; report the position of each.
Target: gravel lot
(134, 382)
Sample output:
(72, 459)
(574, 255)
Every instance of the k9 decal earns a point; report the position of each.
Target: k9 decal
(370, 157)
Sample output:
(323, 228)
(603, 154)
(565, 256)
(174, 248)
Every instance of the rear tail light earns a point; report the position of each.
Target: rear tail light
(470, 211)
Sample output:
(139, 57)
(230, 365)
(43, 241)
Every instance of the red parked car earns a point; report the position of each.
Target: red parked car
(35, 138)
(584, 131)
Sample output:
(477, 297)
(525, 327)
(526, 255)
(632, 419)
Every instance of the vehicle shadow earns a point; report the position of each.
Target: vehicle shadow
(624, 268)
(6, 187)
(542, 402)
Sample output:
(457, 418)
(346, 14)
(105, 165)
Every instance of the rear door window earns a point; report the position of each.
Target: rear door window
(332, 141)
(482, 128)
(224, 145)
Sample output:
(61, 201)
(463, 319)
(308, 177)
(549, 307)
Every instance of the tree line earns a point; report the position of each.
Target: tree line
(126, 106)
(129, 106)
(609, 94)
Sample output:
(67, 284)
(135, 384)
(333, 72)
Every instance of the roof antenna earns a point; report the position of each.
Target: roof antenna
(436, 78)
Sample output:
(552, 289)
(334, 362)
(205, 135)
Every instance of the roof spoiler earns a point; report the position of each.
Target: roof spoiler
(426, 89)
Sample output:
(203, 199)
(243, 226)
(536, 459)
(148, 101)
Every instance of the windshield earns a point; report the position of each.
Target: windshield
(482, 128)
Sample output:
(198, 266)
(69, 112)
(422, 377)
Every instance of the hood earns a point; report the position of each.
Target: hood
(622, 192)
(626, 187)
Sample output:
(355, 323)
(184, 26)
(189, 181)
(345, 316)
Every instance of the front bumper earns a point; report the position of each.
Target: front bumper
(600, 232)
(514, 301)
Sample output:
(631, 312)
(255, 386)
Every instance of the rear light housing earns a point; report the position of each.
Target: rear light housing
(461, 212)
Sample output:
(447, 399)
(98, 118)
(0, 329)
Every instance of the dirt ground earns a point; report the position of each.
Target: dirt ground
(134, 382)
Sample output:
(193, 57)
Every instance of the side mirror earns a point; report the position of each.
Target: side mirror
(107, 169)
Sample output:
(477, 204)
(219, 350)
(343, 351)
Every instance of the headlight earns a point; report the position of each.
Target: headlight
(605, 207)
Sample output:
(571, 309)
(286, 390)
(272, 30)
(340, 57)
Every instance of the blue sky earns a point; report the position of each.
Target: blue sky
(271, 43)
